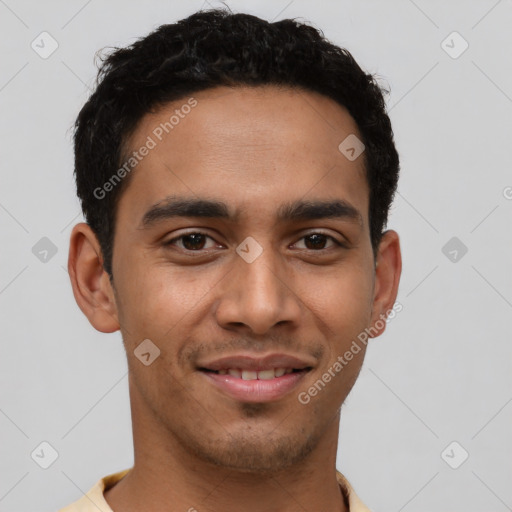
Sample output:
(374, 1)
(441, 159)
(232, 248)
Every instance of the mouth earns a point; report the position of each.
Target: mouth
(265, 374)
(255, 386)
(246, 377)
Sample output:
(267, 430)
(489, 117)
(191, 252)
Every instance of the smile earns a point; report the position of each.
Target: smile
(255, 386)
(253, 375)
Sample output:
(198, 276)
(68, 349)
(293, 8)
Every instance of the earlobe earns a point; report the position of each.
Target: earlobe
(91, 284)
(388, 269)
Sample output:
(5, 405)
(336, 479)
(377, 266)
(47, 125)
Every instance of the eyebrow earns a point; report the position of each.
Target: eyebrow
(173, 206)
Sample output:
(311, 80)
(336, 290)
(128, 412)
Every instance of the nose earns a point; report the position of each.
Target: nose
(259, 296)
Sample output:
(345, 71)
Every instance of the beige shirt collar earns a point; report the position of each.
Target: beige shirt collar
(94, 501)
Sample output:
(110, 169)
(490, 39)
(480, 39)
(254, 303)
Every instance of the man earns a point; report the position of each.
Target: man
(236, 177)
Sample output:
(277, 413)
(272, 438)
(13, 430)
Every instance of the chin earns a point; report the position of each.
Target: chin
(253, 454)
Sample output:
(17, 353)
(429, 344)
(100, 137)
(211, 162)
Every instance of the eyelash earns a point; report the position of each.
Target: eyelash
(336, 242)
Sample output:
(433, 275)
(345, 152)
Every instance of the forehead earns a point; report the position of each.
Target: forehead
(252, 147)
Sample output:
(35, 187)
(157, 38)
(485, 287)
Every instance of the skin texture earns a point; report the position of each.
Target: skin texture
(254, 149)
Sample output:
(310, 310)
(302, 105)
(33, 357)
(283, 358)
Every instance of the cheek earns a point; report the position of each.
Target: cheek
(343, 297)
(343, 304)
(157, 300)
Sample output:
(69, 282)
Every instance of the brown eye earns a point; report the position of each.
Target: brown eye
(317, 241)
(193, 241)
(190, 241)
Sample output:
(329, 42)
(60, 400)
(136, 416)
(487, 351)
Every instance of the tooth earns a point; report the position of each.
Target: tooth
(266, 374)
(253, 375)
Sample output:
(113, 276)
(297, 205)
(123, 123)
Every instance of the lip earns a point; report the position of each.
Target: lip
(255, 390)
(249, 362)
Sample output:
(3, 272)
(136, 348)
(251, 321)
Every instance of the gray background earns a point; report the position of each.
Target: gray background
(442, 370)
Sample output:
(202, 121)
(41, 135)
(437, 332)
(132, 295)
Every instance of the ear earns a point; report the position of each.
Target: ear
(91, 284)
(387, 277)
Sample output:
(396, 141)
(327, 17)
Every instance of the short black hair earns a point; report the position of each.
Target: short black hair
(214, 48)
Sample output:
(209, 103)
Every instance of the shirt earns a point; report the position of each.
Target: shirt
(94, 501)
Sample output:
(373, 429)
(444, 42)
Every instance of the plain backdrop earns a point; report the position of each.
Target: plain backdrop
(427, 425)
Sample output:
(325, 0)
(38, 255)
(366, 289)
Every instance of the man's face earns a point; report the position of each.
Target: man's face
(181, 283)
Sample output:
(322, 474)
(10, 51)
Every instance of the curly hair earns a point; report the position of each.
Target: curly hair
(218, 48)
